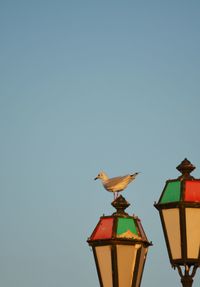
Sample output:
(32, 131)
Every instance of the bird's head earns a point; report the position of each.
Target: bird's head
(102, 175)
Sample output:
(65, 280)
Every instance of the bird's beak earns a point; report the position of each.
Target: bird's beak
(95, 178)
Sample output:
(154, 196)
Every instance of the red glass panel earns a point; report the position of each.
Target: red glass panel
(192, 190)
(103, 229)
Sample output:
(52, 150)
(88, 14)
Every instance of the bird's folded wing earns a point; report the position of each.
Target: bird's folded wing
(116, 180)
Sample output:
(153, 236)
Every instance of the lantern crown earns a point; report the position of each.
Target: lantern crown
(119, 226)
(120, 204)
(184, 189)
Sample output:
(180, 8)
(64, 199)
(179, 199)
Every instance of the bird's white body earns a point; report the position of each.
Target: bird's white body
(115, 184)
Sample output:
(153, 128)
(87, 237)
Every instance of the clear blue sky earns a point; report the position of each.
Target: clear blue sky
(90, 85)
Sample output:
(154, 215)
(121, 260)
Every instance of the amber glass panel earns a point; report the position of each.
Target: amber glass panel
(104, 261)
(126, 256)
(103, 229)
(192, 191)
(193, 232)
(141, 265)
(172, 225)
(172, 192)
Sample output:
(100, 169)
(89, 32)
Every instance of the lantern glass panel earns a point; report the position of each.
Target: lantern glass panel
(192, 191)
(126, 258)
(103, 229)
(126, 228)
(103, 254)
(193, 232)
(172, 192)
(141, 266)
(172, 226)
(141, 230)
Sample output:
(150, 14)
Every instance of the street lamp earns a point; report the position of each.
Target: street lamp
(120, 247)
(179, 209)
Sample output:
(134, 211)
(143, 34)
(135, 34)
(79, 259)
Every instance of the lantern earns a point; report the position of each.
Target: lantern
(179, 209)
(120, 247)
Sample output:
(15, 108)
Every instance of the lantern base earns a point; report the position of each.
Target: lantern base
(187, 275)
(187, 281)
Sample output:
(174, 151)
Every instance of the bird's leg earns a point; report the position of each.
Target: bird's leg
(114, 196)
(117, 194)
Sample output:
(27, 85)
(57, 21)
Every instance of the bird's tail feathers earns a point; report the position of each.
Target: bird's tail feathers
(134, 174)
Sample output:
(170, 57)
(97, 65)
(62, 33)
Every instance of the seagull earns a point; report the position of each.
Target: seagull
(115, 184)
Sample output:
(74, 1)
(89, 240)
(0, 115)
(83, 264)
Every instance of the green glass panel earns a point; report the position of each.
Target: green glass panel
(125, 224)
(172, 192)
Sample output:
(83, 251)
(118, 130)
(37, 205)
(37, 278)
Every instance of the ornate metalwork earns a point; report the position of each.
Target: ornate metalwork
(187, 274)
(185, 167)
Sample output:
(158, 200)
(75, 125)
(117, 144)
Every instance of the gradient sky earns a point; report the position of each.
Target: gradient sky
(91, 85)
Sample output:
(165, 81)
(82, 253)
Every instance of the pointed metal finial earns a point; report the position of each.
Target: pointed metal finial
(185, 167)
(120, 204)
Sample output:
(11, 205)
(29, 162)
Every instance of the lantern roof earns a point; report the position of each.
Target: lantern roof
(119, 226)
(185, 188)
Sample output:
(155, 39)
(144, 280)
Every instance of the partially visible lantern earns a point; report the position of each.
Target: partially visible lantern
(120, 247)
(179, 209)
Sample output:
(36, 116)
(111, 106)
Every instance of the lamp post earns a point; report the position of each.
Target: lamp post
(179, 209)
(120, 247)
